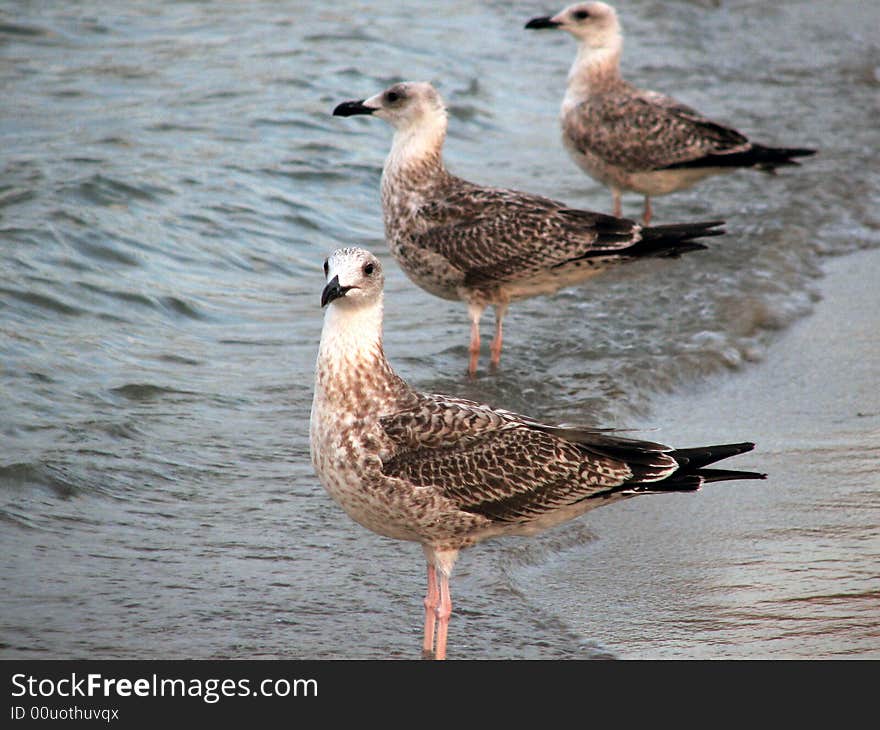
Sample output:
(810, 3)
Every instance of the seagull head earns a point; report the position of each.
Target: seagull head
(404, 105)
(354, 278)
(594, 23)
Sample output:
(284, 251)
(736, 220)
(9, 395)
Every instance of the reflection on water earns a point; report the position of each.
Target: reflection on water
(171, 181)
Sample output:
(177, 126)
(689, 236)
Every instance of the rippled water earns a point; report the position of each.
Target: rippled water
(171, 181)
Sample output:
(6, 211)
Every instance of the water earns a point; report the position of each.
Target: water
(171, 181)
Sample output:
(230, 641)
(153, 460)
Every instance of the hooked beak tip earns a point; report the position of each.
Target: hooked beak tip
(332, 291)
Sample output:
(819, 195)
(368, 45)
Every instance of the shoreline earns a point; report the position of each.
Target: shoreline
(781, 568)
(818, 384)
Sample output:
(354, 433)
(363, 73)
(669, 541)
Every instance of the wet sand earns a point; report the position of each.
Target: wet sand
(813, 404)
(787, 567)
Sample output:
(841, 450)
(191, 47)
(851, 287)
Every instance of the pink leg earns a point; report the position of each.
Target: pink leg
(615, 196)
(476, 312)
(432, 602)
(646, 218)
(444, 611)
(474, 349)
(500, 310)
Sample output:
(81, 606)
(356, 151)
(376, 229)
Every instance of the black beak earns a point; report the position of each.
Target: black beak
(333, 291)
(543, 22)
(350, 108)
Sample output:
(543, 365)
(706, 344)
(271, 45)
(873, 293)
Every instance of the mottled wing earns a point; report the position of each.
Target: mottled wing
(641, 131)
(498, 235)
(492, 463)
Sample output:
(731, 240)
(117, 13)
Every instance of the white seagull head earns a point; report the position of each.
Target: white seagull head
(404, 106)
(593, 23)
(354, 279)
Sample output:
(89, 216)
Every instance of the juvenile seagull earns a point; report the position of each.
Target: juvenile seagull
(644, 141)
(485, 245)
(447, 472)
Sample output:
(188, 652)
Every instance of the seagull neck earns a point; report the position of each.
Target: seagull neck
(595, 68)
(351, 362)
(417, 152)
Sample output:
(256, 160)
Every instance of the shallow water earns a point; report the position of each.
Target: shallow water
(171, 181)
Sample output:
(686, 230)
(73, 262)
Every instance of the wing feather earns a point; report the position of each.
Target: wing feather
(499, 235)
(509, 469)
(641, 131)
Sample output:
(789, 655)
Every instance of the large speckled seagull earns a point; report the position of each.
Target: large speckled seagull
(447, 472)
(490, 246)
(637, 140)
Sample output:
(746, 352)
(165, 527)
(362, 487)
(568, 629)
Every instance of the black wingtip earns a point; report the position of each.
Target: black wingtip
(684, 231)
(797, 151)
(725, 475)
(672, 240)
(757, 156)
(693, 465)
(701, 456)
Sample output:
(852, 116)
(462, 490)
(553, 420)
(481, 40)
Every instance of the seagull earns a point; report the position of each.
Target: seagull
(490, 246)
(446, 472)
(632, 139)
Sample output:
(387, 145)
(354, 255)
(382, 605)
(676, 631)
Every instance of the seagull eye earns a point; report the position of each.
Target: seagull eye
(368, 269)
(581, 15)
(392, 96)
(326, 267)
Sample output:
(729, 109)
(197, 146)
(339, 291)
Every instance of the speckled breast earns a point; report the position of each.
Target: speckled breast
(351, 474)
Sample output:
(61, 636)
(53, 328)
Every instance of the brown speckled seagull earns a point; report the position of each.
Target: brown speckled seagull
(447, 472)
(631, 139)
(490, 246)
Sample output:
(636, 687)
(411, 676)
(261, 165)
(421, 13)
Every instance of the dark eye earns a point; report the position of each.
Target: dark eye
(391, 97)
(581, 14)
(368, 269)
(326, 267)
